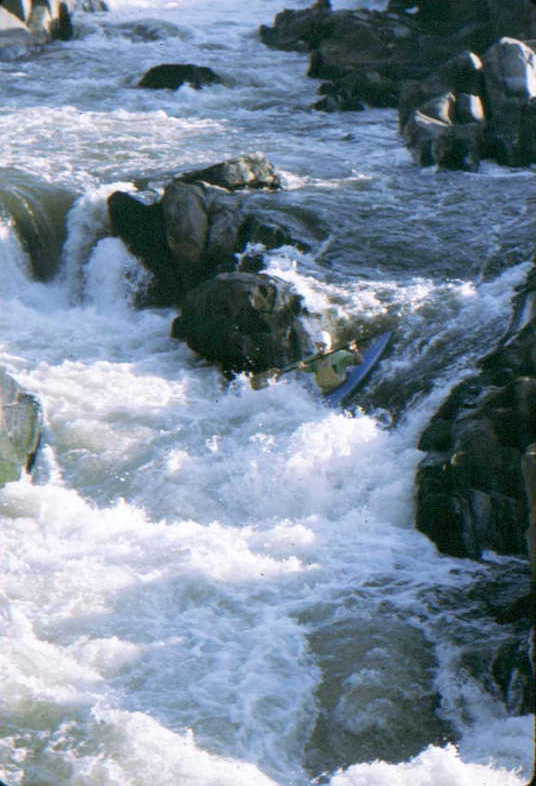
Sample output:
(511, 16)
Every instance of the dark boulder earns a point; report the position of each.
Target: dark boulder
(297, 30)
(445, 144)
(20, 429)
(253, 170)
(141, 227)
(470, 491)
(350, 41)
(172, 76)
(244, 322)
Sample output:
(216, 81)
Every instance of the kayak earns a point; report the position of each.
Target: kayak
(358, 374)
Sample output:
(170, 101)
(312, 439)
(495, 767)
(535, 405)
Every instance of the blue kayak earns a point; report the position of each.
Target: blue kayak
(358, 374)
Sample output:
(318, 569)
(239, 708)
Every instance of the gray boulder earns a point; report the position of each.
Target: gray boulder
(448, 145)
(510, 82)
(252, 170)
(202, 225)
(20, 429)
(244, 322)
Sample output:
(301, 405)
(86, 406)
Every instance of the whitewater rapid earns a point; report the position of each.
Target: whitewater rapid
(205, 584)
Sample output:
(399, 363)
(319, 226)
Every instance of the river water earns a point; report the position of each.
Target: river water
(208, 585)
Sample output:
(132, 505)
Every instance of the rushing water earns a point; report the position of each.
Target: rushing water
(212, 585)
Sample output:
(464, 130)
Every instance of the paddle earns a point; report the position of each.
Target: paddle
(260, 380)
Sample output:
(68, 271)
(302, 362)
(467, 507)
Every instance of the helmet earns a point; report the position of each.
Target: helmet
(323, 338)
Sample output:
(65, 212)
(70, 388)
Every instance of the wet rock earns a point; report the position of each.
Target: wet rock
(171, 76)
(142, 229)
(470, 490)
(38, 210)
(15, 38)
(20, 429)
(244, 322)
(510, 82)
(253, 170)
(202, 224)
(198, 230)
(297, 30)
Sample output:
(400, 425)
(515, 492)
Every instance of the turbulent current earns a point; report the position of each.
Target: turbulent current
(205, 584)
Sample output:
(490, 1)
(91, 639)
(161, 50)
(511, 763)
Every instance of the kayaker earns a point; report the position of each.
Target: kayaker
(330, 368)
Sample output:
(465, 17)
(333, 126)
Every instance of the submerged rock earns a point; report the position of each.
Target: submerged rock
(20, 429)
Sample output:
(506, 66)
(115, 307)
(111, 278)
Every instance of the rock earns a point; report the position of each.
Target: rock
(529, 477)
(248, 171)
(12, 27)
(142, 229)
(198, 230)
(459, 75)
(296, 30)
(351, 41)
(447, 145)
(172, 76)
(43, 25)
(20, 8)
(510, 82)
(25, 25)
(471, 494)
(38, 210)
(20, 429)
(244, 322)
(202, 224)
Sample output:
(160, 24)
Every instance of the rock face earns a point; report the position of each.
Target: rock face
(244, 321)
(20, 429)
(172, 76)
(471, 494)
